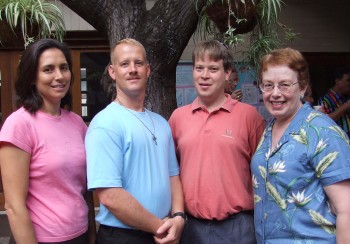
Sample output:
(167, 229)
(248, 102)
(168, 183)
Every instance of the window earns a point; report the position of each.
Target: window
(93, 97)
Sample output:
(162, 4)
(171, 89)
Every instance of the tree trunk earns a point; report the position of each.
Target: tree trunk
(164, 30)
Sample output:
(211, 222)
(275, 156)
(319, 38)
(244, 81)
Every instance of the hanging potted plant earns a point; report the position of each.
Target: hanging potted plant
(226, 20)
(29, 20)
(238, 14)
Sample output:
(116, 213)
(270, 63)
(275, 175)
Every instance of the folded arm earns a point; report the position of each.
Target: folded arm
(128, 210)
(172, 228)
(343, 109)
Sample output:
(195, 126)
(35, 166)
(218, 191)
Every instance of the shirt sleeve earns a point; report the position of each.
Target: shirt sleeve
(104, 158)
(173, 164)
(331, 158)
(17, 131)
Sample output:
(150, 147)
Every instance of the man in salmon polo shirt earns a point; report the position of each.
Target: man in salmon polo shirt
(215, 138)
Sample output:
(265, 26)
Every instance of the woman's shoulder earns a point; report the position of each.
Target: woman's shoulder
(318, 118)
(21, 115)
(324, 126)
(72, 116)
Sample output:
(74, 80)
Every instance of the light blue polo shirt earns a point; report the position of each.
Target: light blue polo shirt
(121, 153)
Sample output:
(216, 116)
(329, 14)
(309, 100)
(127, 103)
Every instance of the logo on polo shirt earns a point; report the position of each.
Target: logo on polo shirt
(227, 133)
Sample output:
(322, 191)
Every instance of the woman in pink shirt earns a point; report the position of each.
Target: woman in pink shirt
(42, 153)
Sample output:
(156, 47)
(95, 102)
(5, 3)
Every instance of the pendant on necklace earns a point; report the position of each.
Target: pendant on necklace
(154, 138)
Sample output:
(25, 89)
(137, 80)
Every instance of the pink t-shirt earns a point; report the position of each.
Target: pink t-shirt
(214, 151)
(57, 173)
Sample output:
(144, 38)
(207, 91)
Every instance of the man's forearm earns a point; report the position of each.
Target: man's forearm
(128, 210)
(177, 198)
(340, 111)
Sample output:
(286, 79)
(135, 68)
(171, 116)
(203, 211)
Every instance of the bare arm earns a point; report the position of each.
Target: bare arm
(177, 198)
(173, 227)
(15, 175)
(339, 195)
(128, 210)
(343, 109)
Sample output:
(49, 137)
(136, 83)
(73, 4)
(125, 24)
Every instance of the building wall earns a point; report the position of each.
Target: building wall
(72, 21)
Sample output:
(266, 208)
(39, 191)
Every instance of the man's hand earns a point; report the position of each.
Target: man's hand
(170, 231)
(347, 104)
(237, 95)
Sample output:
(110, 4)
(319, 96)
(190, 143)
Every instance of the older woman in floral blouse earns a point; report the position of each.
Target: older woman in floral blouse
(301, 169)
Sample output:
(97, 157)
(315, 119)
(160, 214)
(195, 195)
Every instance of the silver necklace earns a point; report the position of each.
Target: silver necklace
(154, 138)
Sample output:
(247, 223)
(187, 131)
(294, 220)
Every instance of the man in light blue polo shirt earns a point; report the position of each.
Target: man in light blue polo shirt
(131, 161)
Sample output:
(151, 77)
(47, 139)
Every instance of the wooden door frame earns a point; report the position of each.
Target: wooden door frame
(76, 86)
(8, 67)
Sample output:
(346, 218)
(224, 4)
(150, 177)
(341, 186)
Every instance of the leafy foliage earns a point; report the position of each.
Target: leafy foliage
(28, 14)
(267, 34)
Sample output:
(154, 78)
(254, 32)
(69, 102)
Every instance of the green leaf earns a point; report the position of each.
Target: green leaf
(257, 199)
(325, 162)
(301, 138)
(318, 219)
(341, 133)
(272, 191)
(263, 172)
(28, 13)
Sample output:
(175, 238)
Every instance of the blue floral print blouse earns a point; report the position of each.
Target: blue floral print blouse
(290, 203)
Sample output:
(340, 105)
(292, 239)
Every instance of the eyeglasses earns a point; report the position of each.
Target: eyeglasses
(282, 87)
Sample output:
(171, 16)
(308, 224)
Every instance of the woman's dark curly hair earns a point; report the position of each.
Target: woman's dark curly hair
(26, 92)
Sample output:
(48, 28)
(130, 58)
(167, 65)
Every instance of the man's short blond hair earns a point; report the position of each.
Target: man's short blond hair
(128, 41)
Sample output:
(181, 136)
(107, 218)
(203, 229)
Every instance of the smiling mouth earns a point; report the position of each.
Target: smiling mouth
(58, 86)
(133, 78)
(277, 103)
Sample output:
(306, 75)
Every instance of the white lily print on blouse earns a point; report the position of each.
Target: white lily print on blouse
(277, 167)
(320, 146)
(299, 199)
(255, 182)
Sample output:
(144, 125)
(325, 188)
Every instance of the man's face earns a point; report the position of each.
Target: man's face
(344, 85)
(209, 79)
(130, 69)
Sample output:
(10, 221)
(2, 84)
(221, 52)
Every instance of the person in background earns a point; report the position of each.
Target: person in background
(301, 171)
(308, 97)
(131, 160)
(336, 101)
(215, 138)
(231, 84)
(42, 154)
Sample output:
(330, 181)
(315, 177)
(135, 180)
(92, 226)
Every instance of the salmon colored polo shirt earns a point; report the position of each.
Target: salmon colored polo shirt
(214, 151)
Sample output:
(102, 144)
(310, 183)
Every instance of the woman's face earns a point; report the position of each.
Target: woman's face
(53, 76)
(282, 105)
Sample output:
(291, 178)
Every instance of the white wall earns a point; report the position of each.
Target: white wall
(72, 21)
